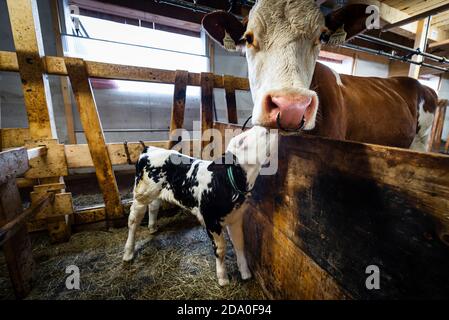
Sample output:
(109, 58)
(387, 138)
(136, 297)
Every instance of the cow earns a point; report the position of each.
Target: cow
(211, 190)
(292, 92)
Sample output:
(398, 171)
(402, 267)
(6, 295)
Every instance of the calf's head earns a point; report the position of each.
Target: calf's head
(282, 40)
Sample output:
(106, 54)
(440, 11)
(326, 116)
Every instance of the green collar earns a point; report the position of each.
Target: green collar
(232, 181)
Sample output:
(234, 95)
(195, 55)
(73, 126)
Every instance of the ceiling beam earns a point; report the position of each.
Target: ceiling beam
(422, 15)
(391, 15)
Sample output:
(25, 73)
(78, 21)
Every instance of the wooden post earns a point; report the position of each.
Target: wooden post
(90, 121)
(27, 36)
(29, 49)
(207, 98)
(179, 104)
(437, 127)
(65, 86)
(17, 248)
(420, 43)
(231, 103)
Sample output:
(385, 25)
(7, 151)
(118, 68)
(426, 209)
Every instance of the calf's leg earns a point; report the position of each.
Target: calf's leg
(153, 210)
(136, 214)
(235, 231)
(219, 244)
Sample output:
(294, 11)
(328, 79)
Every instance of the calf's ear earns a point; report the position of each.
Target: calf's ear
(346, 22)
(224, 28)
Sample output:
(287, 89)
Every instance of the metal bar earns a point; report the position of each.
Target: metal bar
(417, 17)
(135, 45)
(393, 57)
(402, 47)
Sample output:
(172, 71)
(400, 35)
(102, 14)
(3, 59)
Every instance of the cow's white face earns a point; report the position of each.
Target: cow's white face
(282, 40)
(282, 46)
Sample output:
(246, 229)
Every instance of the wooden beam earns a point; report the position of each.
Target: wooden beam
(437, 127)
(207, 113)
(65, 86)
(178, 106)
(13, 163)
(55, 66)
(29, 48)
(420, 43)
(8, 230)
(231, 102)
(439, 44)
(16, 247)
(14, 137)
(422, 15)
(90, 121)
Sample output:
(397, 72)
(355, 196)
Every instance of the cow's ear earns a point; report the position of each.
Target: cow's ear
(345, 23)
(224, 28)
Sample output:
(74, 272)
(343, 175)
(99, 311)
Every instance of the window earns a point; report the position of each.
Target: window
(120, 43)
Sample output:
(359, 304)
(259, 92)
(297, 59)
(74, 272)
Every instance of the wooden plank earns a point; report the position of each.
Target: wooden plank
(37, 152)
(13, 163)
(14, 137)
(178, 107)
(65, 86)
(29, 49)
(55, 66)
(8, 230)
(437, 127)
(17, 250)
(53, 164)
(90, 121)
(231, 102)
(283, 270)
(207, 113)
(347, 206)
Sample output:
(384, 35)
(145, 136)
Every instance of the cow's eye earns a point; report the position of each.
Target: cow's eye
(249, 38)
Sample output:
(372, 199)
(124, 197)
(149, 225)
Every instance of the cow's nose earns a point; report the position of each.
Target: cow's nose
(289, 110)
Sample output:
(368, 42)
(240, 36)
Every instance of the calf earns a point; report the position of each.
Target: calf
(211, 190)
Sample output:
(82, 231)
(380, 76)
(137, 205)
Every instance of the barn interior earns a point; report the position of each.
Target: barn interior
(76, 215)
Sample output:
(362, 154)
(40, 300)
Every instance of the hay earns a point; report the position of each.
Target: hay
(176, 263)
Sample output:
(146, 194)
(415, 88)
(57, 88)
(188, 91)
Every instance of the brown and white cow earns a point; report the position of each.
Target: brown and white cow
(282, 40)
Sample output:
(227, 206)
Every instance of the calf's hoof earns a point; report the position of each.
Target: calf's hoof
(223, 282)
(152, 229)
(246, 275)
(128, 256)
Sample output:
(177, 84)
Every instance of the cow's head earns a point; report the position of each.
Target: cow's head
(282, 40)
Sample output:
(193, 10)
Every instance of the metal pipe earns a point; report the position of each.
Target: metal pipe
(393, 57)
(404, 48)
(191, 6)
(129, 130)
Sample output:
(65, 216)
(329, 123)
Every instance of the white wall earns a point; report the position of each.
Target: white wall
(365, 68)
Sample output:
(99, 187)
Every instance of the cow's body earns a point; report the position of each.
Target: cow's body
(373, 110)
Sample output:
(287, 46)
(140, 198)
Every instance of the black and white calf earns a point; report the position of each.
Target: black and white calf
(211, 190)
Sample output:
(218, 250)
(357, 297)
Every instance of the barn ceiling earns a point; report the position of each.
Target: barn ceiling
(392, 11)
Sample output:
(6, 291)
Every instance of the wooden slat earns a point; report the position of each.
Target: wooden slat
(207, 114)
(29, 47)
(420, 43)
(8, 230)
(90, 121)
(17, 249)
(14, 137)
(37, 152)
(13, 163)
(231, 103)
(347, 206)
(65, 86)
(179, 104)
(55, 66)
(437, 128)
